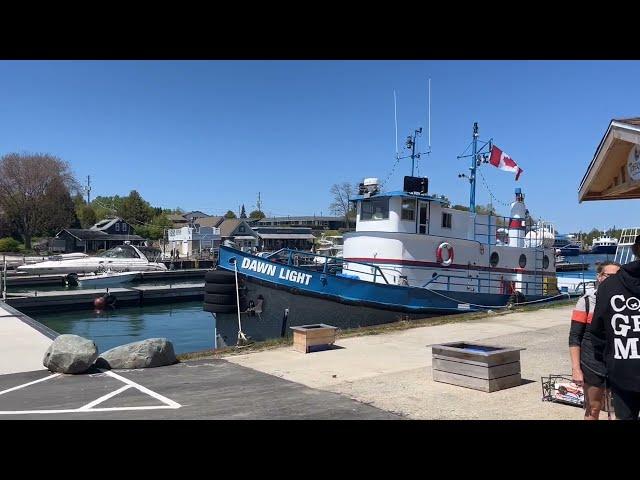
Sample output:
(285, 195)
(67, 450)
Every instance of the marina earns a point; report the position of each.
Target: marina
(284, 240)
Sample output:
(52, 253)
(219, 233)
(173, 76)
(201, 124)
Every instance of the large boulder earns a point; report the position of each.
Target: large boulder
(70, 354)
(153, 352)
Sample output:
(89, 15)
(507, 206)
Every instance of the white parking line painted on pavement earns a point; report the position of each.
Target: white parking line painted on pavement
(151, 393)
(89, 407)
(105, 397)
(30, 383)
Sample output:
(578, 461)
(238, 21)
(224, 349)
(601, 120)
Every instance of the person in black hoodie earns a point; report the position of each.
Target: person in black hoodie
(615, 334)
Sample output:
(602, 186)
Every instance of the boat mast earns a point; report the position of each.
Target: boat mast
(472, 176)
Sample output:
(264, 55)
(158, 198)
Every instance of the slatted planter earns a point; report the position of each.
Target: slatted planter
(307, 338)
(481, 367)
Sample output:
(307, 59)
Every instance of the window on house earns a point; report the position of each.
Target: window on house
(241, 228)
(446, 220)
(117, 227)
(124, 227)
(408, 209)
(375, 209)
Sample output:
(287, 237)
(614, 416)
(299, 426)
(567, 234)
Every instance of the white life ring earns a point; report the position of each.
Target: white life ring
(444, 246)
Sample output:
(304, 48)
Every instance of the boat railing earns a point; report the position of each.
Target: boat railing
(495, 231)
(451, 282)
(624, 254)
(330, 265)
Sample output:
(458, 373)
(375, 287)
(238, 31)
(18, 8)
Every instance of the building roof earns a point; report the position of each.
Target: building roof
(229, 225)
(608, 176)
(177, 217)
(124, 237)
(86, 234)
(106, 223)
(210, 221)
(302, 219)
(195, 214)
(286, 236)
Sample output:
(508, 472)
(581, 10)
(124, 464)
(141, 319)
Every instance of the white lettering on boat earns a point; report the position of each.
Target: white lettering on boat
(268, 269)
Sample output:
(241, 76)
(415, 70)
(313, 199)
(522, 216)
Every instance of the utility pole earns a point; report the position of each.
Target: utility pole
(259, 203)
(88, 189)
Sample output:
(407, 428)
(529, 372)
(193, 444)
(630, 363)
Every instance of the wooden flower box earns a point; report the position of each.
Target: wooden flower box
(472, 365)
(307, 338)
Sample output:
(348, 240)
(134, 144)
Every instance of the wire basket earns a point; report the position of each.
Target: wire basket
(562, 389)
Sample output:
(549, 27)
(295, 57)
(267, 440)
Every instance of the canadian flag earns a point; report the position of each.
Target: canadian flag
(504, 162)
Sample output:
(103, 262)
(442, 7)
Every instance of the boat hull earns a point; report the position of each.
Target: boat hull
(573, 251)
(604, 249)
(314, 297)
(99, 281)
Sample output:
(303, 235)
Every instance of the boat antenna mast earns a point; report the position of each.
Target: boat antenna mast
(478, 157)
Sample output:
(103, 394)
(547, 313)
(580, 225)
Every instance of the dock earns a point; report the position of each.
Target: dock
(83, 299)
(23, 341)
(18, 280)
(571, 267)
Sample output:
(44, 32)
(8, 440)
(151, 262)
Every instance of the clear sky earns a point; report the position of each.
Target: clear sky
(210, 135)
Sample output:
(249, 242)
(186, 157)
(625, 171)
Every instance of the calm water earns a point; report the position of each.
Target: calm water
(589, 274)
(185, 324)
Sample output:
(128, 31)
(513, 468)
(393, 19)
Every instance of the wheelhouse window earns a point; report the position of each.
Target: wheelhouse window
(446, 220)
(408, 209)
(375, 209)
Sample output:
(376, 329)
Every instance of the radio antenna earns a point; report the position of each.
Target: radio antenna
(429, 116)
(395, 112)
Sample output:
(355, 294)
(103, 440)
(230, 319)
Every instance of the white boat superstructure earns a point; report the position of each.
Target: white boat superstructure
(605, 242)
(118, 259)
(417, 240)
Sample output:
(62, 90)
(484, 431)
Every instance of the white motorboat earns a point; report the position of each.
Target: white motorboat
(118, 259)
(105, 279)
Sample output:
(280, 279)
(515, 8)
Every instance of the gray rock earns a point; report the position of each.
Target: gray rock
(153, 352)
(70, 354)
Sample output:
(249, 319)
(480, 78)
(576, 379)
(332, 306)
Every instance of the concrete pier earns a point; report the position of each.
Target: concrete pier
(23, 342)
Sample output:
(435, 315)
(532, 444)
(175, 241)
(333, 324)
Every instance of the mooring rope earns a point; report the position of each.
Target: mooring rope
(500, 306)
(241, 336)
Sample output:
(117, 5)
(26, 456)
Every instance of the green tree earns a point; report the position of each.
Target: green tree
(35, 193)
(135, 209)
(87, 216)
(230, 214)
(341, 206)
(460, 207)
(257, 214)
(243, 213)
(159, 224)
(107, 206)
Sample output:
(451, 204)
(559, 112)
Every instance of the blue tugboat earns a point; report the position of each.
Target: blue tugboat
(411, 256)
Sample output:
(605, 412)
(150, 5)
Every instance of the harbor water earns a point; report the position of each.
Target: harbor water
(185, 324)
(590, 259)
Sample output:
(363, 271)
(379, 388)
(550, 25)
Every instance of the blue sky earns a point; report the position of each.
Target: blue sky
(210, 135)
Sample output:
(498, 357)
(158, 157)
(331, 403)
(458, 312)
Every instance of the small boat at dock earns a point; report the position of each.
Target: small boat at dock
(102, 279)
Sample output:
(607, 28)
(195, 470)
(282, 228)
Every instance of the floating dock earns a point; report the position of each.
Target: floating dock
(16, 279)
(571, 267)
(83, 299)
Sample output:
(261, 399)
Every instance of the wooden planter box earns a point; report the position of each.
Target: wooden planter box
(313, 337)
(472, 365)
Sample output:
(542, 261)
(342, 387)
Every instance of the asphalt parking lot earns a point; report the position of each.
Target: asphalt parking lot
(205, 389)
